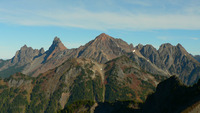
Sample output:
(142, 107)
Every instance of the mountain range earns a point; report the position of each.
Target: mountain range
(105, 70)
(167, 60)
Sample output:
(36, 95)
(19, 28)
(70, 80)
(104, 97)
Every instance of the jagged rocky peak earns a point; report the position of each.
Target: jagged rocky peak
(139, 46)
(179, 45)
(148, 47)
(57, 44)
(24, 47)
(172, 49)
(56, 47)
(25, 55)
(181, 48)
(166, 45)
(56, 40)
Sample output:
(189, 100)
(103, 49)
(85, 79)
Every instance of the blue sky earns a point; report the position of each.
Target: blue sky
(36, 22)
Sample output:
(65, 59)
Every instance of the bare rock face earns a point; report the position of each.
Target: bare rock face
(56, 47)
(175, 60)
(23, 58)
(149, 52)
(104, 48)
(50, 59)
(25, 55)
(179, 62)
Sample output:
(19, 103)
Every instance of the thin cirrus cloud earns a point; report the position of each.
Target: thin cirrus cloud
(82, 17)
(195, 38)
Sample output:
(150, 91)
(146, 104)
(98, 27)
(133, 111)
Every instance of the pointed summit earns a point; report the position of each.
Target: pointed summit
(103, 37)
(56, 47)
(57, 44)
(23, 48)
(179, 46)
(41, 50)
(104, 48)
(56, 40)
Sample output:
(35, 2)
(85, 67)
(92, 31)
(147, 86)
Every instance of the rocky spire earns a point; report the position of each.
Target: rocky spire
(56, 47)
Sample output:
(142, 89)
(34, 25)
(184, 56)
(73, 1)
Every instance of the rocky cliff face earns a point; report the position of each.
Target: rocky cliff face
(26, 55)
(174, 60)
(29, 60)
(52, 58)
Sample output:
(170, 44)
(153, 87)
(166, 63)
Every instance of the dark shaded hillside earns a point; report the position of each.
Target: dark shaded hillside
(172, 96)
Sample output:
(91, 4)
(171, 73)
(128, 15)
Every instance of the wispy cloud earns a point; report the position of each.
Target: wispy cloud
(104, 20)
(101, 20)
(195, 38)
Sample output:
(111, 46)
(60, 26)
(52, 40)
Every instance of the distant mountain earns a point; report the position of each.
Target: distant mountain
(48, 60)
(26, 55)
(29, 61)
(197, 57)
(174, 60)
(22, 58)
